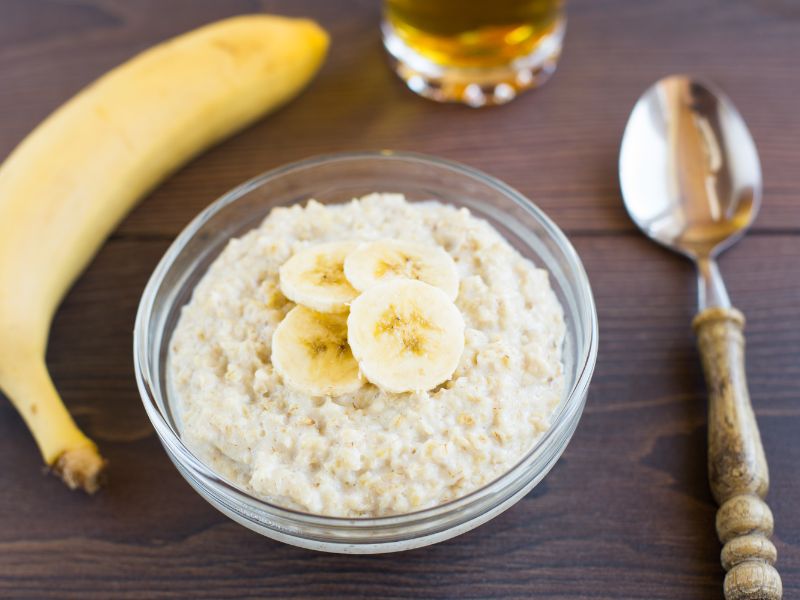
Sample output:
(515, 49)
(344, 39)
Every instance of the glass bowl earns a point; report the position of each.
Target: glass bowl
(334, 179)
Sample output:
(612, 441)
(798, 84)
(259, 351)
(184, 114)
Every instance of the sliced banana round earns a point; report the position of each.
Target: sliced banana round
(384, 260)
(310, 352)
(314, 277)
(406, 335)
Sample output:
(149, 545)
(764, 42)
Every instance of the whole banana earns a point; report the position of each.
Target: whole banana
(68, 184)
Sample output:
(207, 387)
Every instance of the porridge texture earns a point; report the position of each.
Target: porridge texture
(368, 452)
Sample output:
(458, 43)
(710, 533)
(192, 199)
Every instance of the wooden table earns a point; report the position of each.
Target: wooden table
(626, 513)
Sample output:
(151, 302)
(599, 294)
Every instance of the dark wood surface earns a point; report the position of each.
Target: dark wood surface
(626, 513)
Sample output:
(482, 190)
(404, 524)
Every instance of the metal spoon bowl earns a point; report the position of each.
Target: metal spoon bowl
(690, 174)
(691, 180)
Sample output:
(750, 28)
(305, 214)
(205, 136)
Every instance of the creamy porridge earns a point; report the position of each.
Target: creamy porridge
(364, 451)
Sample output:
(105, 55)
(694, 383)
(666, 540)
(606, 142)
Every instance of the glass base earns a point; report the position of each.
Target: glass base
(475, 87)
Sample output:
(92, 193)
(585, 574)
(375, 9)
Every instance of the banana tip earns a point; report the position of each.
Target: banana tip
(81, 468)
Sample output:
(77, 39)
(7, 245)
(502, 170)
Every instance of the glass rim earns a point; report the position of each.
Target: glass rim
(571, 403)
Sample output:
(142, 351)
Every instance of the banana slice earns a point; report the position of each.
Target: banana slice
(311, 353)
(314, 277)
(406, 335)
(384, 260)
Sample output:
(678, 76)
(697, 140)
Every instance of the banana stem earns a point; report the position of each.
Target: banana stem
(64, 447)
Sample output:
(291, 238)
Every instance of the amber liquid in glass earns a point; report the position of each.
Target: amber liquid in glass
(452, 43)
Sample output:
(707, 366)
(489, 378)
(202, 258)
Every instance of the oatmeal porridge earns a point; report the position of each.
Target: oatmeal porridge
(307, 404)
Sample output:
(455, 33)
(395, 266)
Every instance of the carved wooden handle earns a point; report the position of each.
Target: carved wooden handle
(737, 469)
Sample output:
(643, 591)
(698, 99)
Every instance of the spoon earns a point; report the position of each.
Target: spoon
(691, 181)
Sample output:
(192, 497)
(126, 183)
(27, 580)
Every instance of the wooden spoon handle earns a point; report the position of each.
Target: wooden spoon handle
(737, 468)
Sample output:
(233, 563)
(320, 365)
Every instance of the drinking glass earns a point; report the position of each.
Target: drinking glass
(479, 52)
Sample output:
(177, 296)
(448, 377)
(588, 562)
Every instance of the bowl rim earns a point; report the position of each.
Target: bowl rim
(572, 402)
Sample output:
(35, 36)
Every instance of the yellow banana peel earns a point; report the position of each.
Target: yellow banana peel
(68, 184)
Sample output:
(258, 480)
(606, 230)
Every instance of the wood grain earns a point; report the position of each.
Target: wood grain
(558, 145)
(627, 512)
(737, 468)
